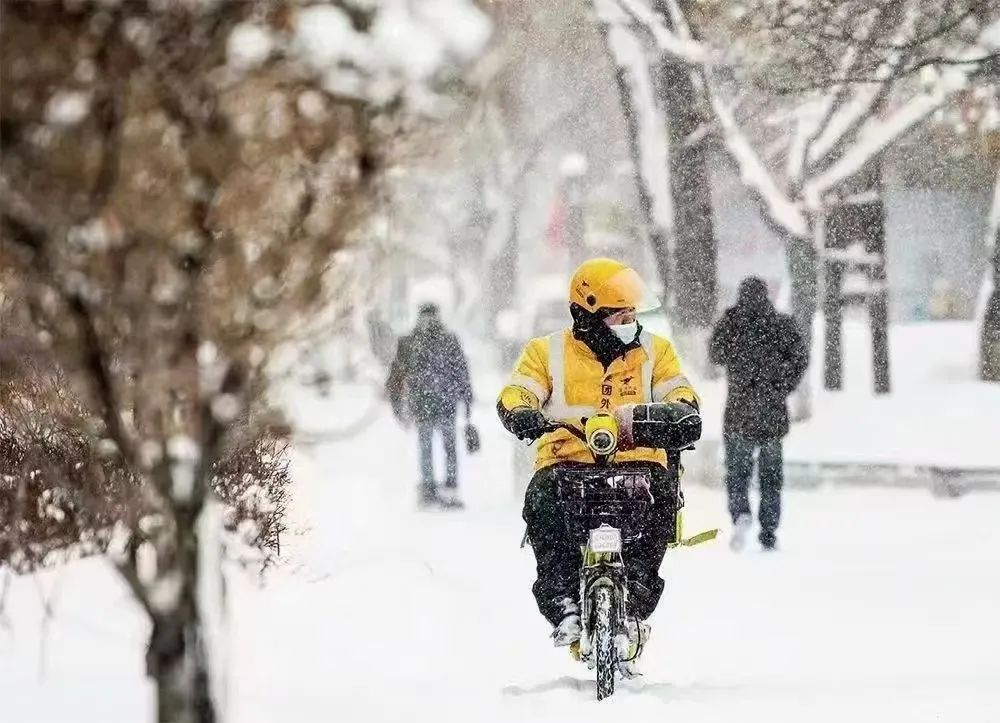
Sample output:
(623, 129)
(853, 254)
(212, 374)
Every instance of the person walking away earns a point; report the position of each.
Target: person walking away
(764, 358)
(429, 380)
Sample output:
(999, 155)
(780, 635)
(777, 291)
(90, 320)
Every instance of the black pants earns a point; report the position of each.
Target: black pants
(739, 471)
(558, 559)
(426, 428)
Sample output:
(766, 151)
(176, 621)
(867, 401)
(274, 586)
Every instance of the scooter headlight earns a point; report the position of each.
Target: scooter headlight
(603, 441)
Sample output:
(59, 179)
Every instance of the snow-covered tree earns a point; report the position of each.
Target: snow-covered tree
(664, 117)
(806, 97)
(646, 130)
(62, 496)
(175, 180)
(990, 330)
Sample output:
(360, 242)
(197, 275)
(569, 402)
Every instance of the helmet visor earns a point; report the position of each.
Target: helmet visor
(626, 290)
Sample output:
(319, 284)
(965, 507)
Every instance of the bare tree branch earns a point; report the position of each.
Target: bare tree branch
(97, 358)
(109, 110)
(37, 228)
(973, 63)
(872, 141)
(812, 32)
(127, 566)
(835, 101)
(682, 47)
(779, 207)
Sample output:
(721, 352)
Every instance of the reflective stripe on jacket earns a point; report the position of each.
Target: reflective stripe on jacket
(561, 376)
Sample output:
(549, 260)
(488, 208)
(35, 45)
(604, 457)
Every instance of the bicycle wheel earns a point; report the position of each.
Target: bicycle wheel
(604, 635)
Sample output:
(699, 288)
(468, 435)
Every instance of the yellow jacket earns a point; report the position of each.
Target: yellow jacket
(563, 378)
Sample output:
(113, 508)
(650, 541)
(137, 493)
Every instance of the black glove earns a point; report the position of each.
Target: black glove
(526, 423)
(665, 425)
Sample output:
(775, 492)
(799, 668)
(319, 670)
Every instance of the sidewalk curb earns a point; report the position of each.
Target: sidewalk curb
(705, 466)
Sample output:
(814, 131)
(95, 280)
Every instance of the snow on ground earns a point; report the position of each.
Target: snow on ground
(880, 605)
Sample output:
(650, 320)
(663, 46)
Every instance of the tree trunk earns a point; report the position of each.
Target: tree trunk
(658, 237)
(989, 352)
(878, 316)
(647, 143)
(860, 220)
(990, 333)
(177, 659)
(872, 217)
(833, 324)
(802, 270)
(695, 247)
(501, 264)
(688, 270)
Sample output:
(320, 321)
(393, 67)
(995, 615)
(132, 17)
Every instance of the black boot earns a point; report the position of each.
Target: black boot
(428, 496)
(768, 540)
(449, 499)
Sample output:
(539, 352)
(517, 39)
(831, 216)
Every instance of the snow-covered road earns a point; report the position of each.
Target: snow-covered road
(880, 605)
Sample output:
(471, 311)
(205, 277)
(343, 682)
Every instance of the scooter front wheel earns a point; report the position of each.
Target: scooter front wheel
(603, 637)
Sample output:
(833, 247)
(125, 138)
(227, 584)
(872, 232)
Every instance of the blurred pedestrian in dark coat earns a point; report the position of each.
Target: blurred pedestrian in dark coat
(427, 383)
(764, 358)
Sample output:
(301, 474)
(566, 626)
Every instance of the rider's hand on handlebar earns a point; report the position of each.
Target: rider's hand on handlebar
(527, 423)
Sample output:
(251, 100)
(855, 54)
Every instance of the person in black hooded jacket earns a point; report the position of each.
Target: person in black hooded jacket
(765, 359)
(429, 379)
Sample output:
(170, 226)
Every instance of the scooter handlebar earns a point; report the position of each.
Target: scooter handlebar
(555, 425)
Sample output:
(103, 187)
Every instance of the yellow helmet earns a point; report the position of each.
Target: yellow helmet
(606, 283)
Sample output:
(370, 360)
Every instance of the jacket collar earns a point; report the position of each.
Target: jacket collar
(583, 350)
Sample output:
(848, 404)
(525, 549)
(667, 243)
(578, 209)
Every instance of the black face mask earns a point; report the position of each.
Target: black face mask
(591, 329)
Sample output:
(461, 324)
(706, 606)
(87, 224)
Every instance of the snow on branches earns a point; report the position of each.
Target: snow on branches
(899, 63)
(650, 130)
(62, 495)
(402, 50)
(176, 181)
